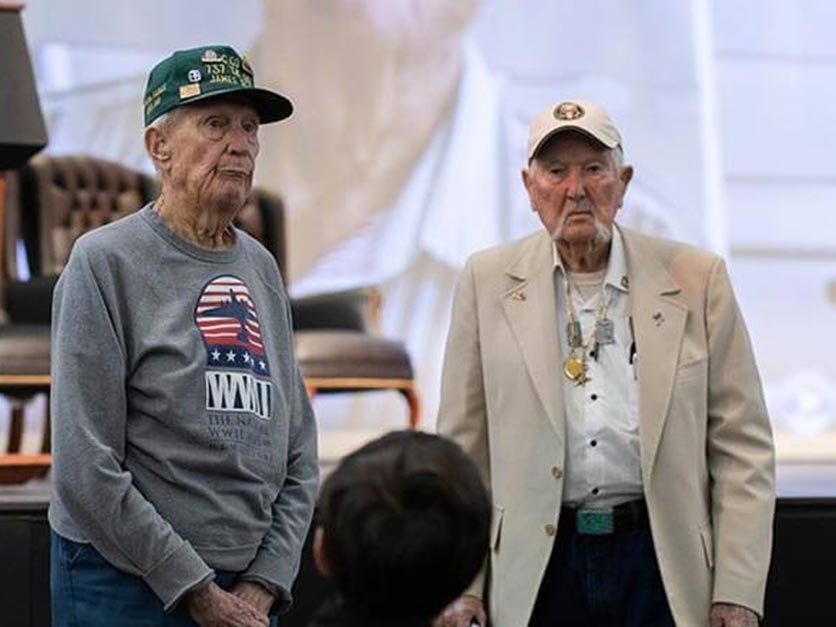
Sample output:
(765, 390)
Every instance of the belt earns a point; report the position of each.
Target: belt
(605, 521)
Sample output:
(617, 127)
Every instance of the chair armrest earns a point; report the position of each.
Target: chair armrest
(30, 301)
(17, 468)
(350, 310)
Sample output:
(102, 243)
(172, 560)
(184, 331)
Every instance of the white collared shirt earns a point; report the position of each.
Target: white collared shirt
(603, 463)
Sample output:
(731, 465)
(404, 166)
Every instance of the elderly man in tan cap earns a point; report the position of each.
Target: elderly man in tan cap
(604, 383)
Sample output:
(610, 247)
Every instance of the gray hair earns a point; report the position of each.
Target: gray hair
(617, 156)
(163, 124)
(164, 121)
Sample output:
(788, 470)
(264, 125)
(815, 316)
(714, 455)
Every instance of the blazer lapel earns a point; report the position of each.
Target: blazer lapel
(530, 307)
(659, 314)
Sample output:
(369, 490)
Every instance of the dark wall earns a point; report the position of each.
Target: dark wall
(24, 567)
(24, 572)
(798, 593)
(801, 590)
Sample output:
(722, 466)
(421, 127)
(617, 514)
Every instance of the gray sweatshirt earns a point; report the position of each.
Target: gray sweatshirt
(183, 440)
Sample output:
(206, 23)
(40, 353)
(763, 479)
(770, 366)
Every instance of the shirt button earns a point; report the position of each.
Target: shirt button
(594, 397)
(594, 490)
(557, 472)
(593, 443)
(551, 530)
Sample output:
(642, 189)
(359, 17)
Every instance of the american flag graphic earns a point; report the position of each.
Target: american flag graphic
(227, 319)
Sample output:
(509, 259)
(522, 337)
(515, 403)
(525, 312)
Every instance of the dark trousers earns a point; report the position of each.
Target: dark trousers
(87, 591)
(602, 581)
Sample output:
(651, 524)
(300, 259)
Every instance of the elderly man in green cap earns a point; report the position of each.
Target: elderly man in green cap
(184, 445)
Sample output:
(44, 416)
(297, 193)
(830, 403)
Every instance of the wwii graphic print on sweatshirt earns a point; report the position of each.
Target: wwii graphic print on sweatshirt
(237, 369)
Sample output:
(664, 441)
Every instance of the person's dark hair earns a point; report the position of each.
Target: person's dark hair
(405, 524)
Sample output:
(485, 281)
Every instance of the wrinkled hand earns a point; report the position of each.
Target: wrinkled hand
(210, 606)
(461, 612)
(256, 595)
(728, 615)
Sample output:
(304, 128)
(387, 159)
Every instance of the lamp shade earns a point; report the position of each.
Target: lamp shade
(22, 130)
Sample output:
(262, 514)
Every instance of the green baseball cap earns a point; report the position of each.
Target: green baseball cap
(207, 72)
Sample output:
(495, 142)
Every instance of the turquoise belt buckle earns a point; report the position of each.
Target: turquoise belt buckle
(595, 522)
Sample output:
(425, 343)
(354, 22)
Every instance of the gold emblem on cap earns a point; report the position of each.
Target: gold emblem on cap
(568, 111)
(210, 56)
(189, 91)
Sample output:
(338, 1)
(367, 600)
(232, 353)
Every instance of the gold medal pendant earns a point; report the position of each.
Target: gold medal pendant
(575, 370)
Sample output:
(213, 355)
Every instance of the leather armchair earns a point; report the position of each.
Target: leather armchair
(339, 348)
(54, 201)
(57, 200)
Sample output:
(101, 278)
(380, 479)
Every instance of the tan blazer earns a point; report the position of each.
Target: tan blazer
(706, 444)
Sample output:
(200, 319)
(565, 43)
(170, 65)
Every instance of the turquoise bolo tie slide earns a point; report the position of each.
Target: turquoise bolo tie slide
(595, 522)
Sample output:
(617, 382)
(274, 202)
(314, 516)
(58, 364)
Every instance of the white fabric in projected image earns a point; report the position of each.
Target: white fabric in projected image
(462, 192)
(404, 153)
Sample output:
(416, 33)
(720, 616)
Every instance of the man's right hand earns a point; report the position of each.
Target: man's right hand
(211, 606)
(461, 612)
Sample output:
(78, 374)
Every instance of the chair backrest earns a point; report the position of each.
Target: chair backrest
(64, 197)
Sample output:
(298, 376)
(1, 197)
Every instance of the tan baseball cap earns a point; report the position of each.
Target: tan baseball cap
(583, 116)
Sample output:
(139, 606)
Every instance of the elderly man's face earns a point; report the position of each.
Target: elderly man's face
(576, 187)
(213, 146)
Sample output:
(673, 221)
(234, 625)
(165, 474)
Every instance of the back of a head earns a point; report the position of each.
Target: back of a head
(406, 521)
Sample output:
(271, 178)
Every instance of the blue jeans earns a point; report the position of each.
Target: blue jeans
(602, 581)
(87, 591)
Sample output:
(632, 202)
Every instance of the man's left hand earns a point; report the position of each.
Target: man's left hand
(256, 595)
(728, 615)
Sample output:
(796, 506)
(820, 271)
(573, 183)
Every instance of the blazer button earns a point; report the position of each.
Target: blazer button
(557, 472)
(551, 530)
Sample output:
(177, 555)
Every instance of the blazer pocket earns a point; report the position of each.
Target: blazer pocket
(496, 526)
(691, 369)
(707, 542)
